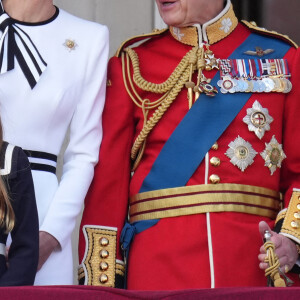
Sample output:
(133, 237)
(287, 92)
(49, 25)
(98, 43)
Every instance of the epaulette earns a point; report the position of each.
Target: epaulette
(139, 38)
(252, 25)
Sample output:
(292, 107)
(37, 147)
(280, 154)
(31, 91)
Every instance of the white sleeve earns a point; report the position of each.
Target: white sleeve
(82, 152)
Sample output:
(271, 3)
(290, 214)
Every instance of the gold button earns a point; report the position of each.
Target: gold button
(104, 253)
(215, 161)
(103, 278)
(104, 242)
(103, 266)
(295, 224)
(214, 179)
(298, 206)
(215, 146)
(297, 215)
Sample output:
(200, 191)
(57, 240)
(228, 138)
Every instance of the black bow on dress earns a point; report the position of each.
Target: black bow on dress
(15, 43)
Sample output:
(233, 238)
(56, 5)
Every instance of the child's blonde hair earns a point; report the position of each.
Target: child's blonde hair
(7, 216)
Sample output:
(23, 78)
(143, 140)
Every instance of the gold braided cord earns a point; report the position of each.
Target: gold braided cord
(171, 87)
(159, 112)
(142, 148)
(150, 105)
(159, 88)
(180, 77)
(274, 265)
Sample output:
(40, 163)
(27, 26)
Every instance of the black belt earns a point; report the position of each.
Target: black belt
(42, 161)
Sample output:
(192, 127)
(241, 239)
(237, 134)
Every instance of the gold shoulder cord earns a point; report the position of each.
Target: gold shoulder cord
(180, 77)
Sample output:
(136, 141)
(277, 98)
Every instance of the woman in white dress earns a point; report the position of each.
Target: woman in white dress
(53, 77)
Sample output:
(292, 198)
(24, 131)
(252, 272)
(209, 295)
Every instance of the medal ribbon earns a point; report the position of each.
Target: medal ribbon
(16, 44)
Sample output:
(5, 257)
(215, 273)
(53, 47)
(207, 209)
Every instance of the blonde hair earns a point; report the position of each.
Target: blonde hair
(7, 216)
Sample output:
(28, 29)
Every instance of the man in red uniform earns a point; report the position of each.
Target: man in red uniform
(207, 110)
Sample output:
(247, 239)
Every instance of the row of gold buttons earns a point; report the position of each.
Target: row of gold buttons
(215, 161)
(104, 254)
(296, 223)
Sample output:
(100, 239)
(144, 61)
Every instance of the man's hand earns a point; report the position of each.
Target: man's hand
(285, 249)
(47, 244)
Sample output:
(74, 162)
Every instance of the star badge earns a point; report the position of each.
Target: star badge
(241, 153)
(258, 119)
(273, 155)
(70, 44)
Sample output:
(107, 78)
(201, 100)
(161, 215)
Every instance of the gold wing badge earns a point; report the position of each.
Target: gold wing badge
(259, 52)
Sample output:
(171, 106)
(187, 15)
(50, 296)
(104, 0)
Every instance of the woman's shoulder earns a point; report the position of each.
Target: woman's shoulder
(77, 23)
(12, 159)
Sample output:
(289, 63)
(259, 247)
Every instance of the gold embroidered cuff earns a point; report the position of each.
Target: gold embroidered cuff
(280, 216)
(99, 262)
(291, 223)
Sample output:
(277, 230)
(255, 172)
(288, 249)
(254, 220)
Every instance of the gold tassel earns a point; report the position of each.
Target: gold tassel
(273, 262)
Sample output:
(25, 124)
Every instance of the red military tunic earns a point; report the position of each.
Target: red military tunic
(197, 250)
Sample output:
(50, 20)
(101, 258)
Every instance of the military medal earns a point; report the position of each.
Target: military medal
(227, 84)
(241, 153)
(273, 155)
(258, 119)
(254, 75)
(269, 84)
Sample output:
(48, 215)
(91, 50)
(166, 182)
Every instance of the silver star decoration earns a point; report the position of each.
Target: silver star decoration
(258, 119)
(273, 155)
(241, 153)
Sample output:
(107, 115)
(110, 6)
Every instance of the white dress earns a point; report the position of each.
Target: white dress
(70, 93)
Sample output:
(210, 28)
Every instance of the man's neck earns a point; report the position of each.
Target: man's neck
(29, 10)
(211, 11)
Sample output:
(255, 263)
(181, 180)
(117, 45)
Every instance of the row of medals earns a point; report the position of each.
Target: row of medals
(267, 85)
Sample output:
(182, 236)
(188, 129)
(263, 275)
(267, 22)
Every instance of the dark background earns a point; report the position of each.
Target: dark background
(280, 15)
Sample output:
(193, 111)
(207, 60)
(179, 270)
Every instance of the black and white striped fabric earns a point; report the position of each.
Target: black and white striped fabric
(42, 161)
(16, 43)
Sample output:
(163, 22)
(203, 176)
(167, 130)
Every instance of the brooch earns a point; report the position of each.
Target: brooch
(70, 44)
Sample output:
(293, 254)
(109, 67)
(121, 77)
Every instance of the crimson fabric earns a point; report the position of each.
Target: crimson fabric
(95, 293)
(174, 254)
